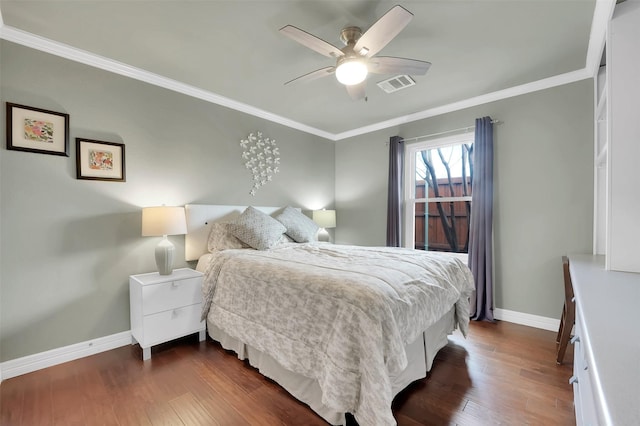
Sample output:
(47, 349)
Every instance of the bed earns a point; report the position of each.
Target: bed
(342, 328)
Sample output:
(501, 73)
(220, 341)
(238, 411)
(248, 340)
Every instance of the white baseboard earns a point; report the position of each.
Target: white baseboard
(27, 364)
(530, 320)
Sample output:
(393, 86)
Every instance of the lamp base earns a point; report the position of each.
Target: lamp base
(324, 236)
(164, 256)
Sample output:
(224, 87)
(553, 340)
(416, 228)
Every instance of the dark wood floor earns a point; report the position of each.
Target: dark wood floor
(502, 374)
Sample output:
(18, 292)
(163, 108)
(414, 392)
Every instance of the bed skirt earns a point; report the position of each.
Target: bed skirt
(420, 356)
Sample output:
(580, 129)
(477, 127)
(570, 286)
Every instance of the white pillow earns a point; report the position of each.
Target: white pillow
(257, 229)
(299, 227)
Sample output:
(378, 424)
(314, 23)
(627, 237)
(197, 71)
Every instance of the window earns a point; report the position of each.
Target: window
(438, 193)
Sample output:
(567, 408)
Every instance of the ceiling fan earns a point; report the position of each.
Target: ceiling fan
(356, 59)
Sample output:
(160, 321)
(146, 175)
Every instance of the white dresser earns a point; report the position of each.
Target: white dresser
(606, 381)
(165, 307)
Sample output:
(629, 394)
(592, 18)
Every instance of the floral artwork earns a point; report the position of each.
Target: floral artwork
(38, 130)
(262, 159)
(100, 160)
(31, 129)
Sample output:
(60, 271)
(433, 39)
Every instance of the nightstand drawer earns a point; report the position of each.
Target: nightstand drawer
(167, 325)
(165, 307)
(173, 294)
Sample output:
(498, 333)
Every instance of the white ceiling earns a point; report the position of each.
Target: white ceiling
(231, 53)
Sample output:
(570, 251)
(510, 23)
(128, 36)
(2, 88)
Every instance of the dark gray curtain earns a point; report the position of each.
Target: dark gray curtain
(481, 227)
(394, 197)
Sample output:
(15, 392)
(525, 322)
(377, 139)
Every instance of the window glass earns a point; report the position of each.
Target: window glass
(438, 199)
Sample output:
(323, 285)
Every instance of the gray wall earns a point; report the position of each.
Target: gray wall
(68, 245)
(543, 202)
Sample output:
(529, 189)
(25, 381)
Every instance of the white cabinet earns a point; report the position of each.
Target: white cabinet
(582, 380)
(623, 149)
(606, 364)
(165, 307)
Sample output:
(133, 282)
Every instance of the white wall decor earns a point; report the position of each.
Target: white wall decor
(262, 159)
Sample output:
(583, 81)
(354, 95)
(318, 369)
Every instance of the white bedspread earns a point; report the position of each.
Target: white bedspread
(338, 314)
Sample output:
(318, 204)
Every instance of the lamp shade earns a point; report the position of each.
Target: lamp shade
(158, 221)
(325, 218)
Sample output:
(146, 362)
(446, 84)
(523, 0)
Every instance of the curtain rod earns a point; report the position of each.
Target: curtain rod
(462, 129)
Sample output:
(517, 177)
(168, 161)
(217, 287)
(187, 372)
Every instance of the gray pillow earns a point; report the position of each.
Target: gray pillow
(299, 227)
(221, 238)
(257, 229)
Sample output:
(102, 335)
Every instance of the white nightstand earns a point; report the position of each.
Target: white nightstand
(165, 307)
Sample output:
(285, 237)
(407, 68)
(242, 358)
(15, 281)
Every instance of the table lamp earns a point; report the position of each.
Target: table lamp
(324, 219)
(163, 221)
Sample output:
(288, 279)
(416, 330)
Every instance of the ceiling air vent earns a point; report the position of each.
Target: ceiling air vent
(396, 83)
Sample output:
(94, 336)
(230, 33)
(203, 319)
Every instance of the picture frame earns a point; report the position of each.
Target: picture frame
(100, 160)
(37, 130)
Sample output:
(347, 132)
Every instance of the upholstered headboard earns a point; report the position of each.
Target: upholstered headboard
(199, 220)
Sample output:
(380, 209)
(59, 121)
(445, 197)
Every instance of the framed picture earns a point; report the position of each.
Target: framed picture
(98, 160)
(37, 130)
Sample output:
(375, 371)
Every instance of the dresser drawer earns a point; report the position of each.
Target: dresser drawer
(167, 325)
(584, 398)
(168, 295)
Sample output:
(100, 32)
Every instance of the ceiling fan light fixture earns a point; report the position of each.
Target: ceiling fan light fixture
(351, 71)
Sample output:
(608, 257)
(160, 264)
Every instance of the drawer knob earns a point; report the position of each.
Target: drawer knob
(575, 339)
(175, 283)
(573, 379)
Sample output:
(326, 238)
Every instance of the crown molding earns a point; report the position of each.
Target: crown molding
(535, 86)
(602, 14)
(78, 55)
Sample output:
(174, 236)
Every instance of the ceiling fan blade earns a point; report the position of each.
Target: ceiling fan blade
(357, 91)
(383, 31)
(391, 65)
(311, 41)
(313, 75)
